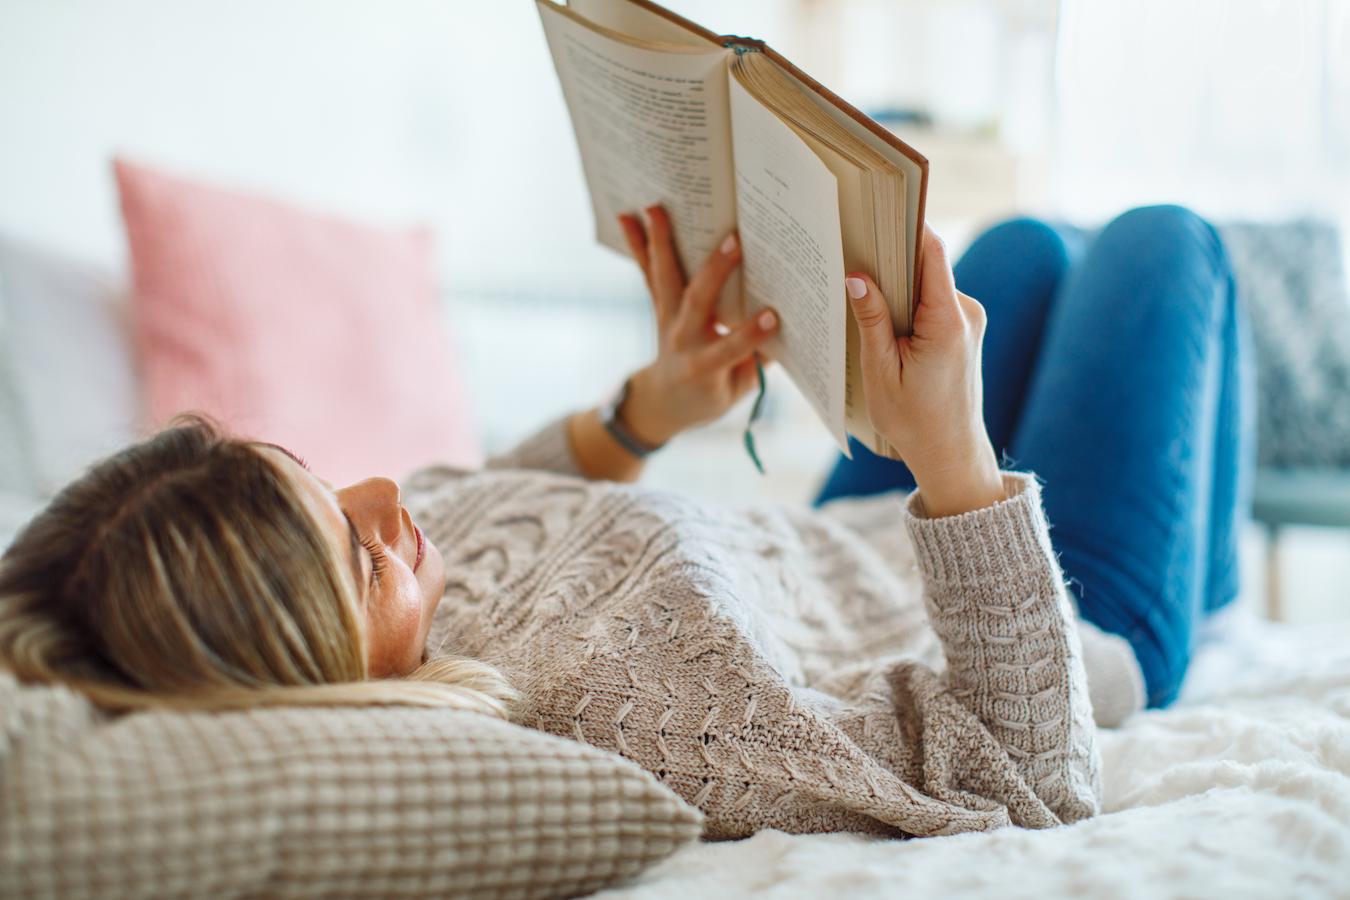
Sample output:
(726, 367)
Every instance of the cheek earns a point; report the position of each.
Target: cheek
(431, 580)
(396, 627)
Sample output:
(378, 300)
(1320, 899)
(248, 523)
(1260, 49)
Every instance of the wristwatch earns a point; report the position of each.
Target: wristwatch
(609, 417)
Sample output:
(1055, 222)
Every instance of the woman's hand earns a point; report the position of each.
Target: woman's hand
(698, 373)
(924, 392)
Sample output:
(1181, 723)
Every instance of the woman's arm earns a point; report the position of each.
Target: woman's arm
(994, 591)
(598, 455)
(996, 599)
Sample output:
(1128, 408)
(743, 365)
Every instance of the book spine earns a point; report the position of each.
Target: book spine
(741, 45)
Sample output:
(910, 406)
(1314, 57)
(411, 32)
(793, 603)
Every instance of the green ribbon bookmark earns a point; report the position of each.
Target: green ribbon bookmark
(754, 416)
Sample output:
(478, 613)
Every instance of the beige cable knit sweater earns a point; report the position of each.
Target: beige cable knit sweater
(773, 666)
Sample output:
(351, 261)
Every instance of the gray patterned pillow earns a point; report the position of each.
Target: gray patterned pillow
(1292, 280)
(312, 802)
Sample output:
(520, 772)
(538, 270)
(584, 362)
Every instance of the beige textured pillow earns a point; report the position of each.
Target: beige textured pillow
(314, 802)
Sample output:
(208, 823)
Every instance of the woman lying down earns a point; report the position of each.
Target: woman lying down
(905, 665)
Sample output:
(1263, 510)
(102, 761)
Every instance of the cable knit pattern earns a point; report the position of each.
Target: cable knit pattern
(771, 665)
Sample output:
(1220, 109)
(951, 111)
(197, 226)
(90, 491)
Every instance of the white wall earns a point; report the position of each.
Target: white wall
(448, 112)
(444, 112)
(1240, 108)
(441, 111)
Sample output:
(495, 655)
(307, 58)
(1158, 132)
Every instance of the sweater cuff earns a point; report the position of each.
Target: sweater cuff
(1004, 539)
(547, 450)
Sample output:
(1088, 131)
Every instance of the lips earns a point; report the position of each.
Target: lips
(421, 547)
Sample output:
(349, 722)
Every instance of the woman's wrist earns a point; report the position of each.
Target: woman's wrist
(641, 412)
(598, 455)
(961, 482)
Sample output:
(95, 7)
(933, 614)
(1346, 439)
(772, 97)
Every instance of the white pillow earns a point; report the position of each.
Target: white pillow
(68, 366)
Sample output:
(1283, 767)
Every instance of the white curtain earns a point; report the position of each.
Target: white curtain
(1240, 108)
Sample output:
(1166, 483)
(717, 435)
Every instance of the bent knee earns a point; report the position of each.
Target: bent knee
(1026, 240)
(1175, 261)
(1169, 232)
(1023, 257)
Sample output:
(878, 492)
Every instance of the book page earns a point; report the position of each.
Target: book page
(855, 217)
(871, 210)
(913, 195)
(652, 126)
(788, 206)
(630, 18)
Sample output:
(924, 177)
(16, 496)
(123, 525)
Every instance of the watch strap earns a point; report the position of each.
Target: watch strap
(614, 425)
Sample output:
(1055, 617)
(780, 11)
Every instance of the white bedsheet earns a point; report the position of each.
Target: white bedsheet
(1240, 790)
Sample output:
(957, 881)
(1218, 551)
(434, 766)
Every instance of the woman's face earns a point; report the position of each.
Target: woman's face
(399, 575)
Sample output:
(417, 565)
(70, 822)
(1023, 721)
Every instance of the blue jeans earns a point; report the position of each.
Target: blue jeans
(1116, 368)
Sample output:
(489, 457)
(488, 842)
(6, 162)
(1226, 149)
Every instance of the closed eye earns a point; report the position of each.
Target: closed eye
(379, 562)
(357, 542)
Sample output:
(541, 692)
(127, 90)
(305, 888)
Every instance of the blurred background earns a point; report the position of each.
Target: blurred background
(449, 114)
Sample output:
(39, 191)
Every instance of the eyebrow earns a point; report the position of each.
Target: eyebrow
(355, 540)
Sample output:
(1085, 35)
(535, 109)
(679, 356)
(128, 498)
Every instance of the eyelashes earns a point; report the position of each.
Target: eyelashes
(300, 460)
(379, 563)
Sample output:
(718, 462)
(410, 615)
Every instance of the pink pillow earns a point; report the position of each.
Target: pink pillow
(322, 335)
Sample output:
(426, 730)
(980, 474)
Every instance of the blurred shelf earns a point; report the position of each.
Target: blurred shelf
(1302, 497)
(970, 177)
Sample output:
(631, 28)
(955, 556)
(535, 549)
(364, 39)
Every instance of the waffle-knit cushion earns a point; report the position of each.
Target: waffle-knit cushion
(370, 802)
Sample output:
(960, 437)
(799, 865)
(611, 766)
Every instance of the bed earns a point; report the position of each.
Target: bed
(1242, 789)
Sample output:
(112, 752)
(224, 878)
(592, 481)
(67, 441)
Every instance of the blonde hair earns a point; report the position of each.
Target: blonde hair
(183, 572)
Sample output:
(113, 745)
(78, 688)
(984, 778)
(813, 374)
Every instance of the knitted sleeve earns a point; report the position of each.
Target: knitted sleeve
(547, 450)
(997, 600)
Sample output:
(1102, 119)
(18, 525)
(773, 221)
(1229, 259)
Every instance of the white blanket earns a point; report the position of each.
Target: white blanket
(1240, 790)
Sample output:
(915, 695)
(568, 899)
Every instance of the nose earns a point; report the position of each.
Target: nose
(374, 504)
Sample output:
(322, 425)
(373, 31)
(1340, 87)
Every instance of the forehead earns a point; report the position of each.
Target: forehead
(310, 488)
(317, 496)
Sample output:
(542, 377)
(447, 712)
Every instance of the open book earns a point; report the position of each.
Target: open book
(726, 133)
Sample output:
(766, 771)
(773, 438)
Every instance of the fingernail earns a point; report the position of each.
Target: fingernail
(767, 320)
(856, 287)
(729, 245)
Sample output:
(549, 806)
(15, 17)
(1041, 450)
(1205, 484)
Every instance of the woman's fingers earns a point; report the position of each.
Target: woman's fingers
(937, 267)
(667, 277)
(937, 285)
(636, 238)
(742, 341)
(706, 286)
(876, 335)
(973, 311)
(664, 305)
